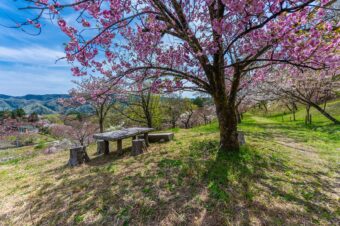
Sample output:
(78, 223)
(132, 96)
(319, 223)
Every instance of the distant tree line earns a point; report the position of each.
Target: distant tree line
(18, 114)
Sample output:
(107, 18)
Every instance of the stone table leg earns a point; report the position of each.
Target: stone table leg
(119, 146)
(106, 147)
(101, 147)
(146, 138)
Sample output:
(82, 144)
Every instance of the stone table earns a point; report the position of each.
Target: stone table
(119, 135)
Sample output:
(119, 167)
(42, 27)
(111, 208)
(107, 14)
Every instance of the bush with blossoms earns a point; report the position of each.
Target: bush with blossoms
(80, 132)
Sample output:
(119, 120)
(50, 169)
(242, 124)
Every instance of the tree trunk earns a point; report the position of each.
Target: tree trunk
(148, 117)
(150, 123)
(307, 119)
(186, 124)
(265, 107)
(206, 120)
(226, 116)
(323, 112)
(101, 125)
(187, 121)
(238, 116)
(226, 110)
(173, 123)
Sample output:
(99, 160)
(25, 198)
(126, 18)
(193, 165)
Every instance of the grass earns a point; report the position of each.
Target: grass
(333, 108)
(287, 174)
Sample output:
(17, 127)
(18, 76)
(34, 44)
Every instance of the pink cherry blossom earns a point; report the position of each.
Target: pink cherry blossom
(62, 23)
(217, 46)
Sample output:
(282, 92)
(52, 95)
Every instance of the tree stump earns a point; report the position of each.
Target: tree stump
(138, 146)
(78, 156)
(240, 137)
(102, 147)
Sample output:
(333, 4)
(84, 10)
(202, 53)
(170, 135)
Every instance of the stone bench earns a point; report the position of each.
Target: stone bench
(159, 137)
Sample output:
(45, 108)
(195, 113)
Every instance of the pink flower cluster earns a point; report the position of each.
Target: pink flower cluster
(183, 42)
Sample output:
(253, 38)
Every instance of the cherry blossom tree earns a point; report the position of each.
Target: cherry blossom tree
(206, 114)
(82, 131)
(79, 131)
(61, 131)
(290, 104)
(309, 88)
(98, 92)
(202, 45)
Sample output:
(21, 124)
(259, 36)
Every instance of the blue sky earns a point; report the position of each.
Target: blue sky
(27, 63)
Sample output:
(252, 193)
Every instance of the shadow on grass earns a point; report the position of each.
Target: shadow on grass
(111, 157)
(298, 131)
(96, 160)
(229, 178)
(236, 179)
(205, 187)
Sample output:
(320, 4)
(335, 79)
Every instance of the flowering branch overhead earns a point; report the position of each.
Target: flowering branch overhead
(211, 44)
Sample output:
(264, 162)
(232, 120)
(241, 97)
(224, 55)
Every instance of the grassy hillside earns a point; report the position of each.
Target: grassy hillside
(286, 174)
(318, 119)
(282, 114)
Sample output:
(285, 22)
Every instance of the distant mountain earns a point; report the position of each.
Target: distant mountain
(2, 96)
(40, 104)
(39, 109)
(4, 104)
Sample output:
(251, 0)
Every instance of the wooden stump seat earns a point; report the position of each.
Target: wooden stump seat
(78, 156)
(138, 146)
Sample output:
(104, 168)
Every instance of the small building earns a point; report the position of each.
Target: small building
(28, 129)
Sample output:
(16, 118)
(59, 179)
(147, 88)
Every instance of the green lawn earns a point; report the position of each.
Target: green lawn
(287, 174)
(333, 108)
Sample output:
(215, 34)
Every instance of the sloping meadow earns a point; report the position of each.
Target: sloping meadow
(274, 179)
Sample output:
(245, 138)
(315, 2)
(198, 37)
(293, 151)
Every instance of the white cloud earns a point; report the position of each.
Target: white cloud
(20, 80)
(32, 55)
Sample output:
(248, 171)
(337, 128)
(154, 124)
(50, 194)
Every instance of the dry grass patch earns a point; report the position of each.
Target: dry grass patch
(183, 182)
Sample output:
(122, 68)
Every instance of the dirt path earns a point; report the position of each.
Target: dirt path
(309, 153)
(308, 158)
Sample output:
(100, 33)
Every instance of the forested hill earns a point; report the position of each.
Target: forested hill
(41, 104)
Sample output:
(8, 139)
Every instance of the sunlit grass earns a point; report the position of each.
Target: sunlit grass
(286, 174)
